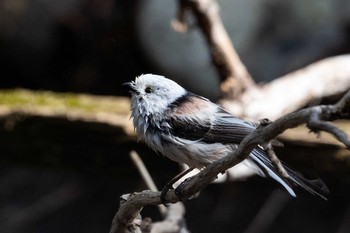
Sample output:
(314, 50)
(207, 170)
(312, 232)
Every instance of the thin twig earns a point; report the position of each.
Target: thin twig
(276, 162)
(146, 177)
(271, 153)
(316, 124)
(173, 216)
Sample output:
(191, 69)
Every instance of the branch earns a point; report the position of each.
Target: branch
(173, 216)
(233, 74)
(261, 136)
(19, 104)
(293, 91)
(146, 177)
(241, 96)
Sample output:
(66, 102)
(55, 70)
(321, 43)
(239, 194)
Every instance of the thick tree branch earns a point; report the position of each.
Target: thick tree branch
(327, 77)
(233, 74)
(262, 135)
(19, 104)
(293, 91)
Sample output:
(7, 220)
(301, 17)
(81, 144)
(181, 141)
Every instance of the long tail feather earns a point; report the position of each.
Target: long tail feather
(316, 187)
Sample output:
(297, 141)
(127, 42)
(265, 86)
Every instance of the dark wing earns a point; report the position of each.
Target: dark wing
(227, 129)
(196, 118)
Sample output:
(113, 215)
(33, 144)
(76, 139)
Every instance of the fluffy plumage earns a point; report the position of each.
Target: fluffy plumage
(190, 129)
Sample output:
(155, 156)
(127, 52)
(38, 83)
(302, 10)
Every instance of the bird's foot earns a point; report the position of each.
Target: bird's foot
(179, 191)
(169, 185)
(165, 190)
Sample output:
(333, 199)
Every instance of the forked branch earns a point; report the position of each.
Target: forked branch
(315, 117)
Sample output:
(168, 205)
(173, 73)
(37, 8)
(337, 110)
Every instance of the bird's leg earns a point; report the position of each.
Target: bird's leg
(179, 189)
(169, 185)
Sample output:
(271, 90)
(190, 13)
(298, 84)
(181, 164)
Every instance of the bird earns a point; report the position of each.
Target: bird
(188, 128)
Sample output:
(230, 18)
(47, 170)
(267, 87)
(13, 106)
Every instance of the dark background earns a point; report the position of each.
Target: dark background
(59, 176)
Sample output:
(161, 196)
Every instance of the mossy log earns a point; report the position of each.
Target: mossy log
(302, 148)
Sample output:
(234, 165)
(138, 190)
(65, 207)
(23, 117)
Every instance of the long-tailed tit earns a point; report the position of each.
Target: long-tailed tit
(190, 129)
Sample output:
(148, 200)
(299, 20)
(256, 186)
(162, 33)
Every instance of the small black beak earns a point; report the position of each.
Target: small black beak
(128, 84)
(131, 87)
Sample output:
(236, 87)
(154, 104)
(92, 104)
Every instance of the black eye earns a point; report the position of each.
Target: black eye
(148, 89)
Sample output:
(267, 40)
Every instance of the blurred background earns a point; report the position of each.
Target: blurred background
(64, 176)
